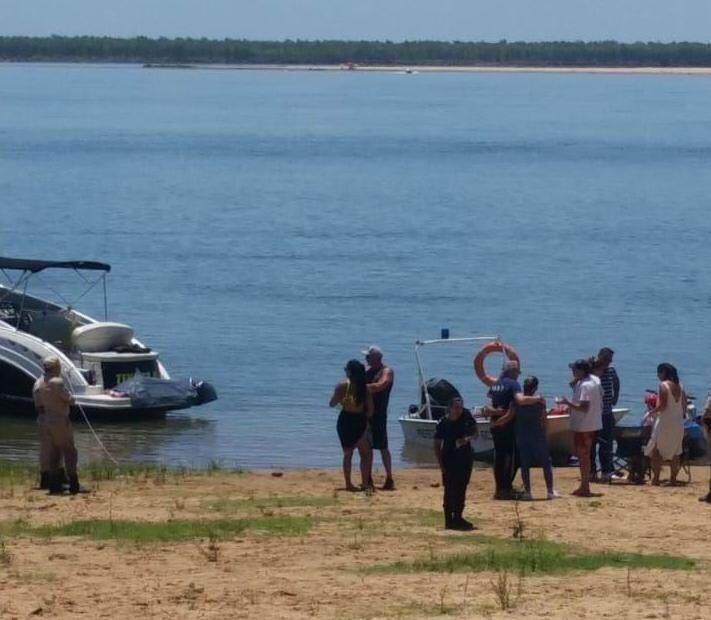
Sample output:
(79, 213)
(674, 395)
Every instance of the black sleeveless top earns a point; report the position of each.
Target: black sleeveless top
(380, 399)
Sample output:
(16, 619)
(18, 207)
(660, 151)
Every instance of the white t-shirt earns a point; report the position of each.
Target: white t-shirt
(588, 389)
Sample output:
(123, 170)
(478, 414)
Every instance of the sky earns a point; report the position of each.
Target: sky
(397, 20)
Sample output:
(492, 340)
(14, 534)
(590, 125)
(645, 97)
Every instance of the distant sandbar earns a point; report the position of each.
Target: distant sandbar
(412, 69)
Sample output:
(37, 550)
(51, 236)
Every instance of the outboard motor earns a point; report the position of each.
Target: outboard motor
(440, 392)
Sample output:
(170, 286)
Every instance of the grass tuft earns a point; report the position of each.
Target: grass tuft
(537, 556)
(163, 531)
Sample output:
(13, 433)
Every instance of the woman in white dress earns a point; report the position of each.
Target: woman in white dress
(668, 432)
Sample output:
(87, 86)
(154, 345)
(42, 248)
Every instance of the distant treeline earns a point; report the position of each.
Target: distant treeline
(236, 51)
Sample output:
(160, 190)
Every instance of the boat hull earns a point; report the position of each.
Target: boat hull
(420, 432)
(560, 437)
(20, 407)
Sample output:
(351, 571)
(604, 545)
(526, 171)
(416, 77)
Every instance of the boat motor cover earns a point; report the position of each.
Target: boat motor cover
(153, 393)
(441, 391)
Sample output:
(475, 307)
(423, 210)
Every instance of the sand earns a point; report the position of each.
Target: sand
(320, 574)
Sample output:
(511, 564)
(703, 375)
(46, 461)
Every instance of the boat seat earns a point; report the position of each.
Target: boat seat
(53, 328)
(102, 337)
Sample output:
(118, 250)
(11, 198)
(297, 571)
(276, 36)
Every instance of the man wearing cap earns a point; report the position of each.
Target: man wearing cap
(380, 380)
(505, 392)
(610, 383)
(585, 418)
(53, 403)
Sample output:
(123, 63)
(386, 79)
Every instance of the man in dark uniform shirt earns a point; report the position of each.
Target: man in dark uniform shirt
(503, 393)
(453, 450)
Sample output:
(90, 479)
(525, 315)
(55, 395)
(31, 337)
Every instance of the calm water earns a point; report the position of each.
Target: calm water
(265, 226)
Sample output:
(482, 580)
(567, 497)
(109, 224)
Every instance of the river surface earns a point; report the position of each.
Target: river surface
(264, 227)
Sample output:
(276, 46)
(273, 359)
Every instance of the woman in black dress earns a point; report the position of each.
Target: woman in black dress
(356, 408)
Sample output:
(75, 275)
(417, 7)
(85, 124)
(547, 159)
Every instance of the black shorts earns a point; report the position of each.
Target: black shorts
(504, 439)
(379, 432)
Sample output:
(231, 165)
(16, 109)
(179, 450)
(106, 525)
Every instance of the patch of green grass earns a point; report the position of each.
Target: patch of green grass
(99, 471)
(429, 518)
(260, 503)
(163, 531)
(104, 470)
(16, 473)
(536, 556)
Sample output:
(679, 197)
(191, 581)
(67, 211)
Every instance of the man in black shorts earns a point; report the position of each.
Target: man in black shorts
(380, 380)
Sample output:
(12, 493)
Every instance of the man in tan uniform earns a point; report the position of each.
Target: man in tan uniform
(53, 403)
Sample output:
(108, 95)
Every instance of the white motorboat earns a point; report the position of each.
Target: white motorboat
(560, 437)
(419, 423)
(110, 372)
(419, 431)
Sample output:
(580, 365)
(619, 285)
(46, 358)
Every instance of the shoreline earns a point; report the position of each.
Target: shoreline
(297, 546)
(411, 69)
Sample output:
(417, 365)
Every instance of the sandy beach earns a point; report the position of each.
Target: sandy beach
(700, 71)
(293, 545)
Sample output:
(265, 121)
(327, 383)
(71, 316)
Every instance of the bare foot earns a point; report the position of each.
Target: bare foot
(582, 493)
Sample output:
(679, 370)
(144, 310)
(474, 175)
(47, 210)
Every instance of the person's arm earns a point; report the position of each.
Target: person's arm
(472, 431)
(438, 452)
(523, 400)
(615, 387)
(583, 404)
(386, 380)
(369, 406)
(661, 400)
(66, 396)
(506, 418)
(337, 396)
(492, 412)
(38, 403)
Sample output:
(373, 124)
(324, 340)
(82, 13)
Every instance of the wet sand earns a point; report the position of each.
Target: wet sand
(321, 573)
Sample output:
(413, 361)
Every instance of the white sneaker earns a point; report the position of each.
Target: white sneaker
(526, 497)
(553, 495)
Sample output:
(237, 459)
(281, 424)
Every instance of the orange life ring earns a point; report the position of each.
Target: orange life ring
(484, 352)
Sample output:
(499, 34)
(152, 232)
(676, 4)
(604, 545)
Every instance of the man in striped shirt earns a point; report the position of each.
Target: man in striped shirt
(610, 384)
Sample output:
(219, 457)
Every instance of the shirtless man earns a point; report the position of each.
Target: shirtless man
(380, 380)
(53, 403)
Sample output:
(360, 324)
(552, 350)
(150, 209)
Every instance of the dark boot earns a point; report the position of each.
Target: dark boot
(44, 481)
(448, 520)
(55, 484)
(74, 484)
(460, 523)
(62, 476)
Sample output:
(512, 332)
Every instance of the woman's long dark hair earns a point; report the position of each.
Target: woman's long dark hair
(668, 373)
(356, 373)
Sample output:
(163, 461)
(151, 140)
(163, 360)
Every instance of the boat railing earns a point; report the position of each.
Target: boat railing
(420, 367)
